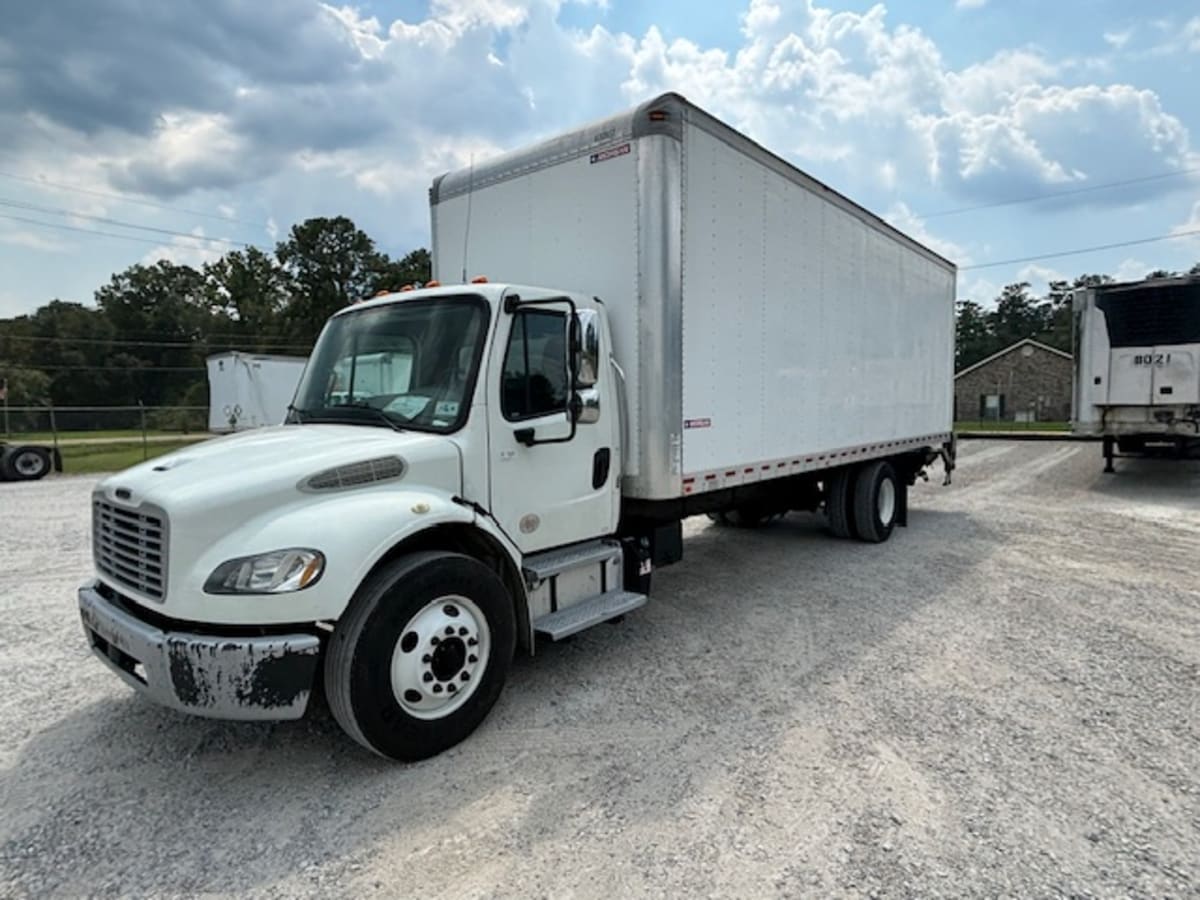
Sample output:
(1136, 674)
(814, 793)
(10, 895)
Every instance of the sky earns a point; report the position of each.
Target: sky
(992, 130)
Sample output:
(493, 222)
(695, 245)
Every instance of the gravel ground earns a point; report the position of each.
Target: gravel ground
(1000, 700)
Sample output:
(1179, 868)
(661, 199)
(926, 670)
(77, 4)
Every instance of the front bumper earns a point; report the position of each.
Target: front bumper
(221, 677)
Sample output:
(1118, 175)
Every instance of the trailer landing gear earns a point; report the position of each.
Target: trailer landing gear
(1109, 444)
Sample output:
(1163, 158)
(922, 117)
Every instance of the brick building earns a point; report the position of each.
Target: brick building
(1027, 382)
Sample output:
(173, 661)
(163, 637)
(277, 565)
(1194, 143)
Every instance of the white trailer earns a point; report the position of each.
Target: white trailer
(250, 390)
(1137, 366)
(472, 465)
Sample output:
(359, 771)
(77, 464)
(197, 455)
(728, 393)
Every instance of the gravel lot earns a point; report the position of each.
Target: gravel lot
(1000, 700)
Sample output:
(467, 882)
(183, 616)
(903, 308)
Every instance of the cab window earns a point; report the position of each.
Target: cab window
(535, 365)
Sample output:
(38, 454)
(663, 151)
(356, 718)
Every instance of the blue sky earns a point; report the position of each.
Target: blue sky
(231, 121)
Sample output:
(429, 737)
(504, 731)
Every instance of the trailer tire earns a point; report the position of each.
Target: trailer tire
(839, 502)
(421, 654)
(876, 501)
(27, 463)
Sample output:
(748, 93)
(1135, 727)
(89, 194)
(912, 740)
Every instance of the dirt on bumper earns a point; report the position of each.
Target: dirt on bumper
(221, 677)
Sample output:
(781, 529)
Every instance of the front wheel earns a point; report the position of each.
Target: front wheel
(421, 655)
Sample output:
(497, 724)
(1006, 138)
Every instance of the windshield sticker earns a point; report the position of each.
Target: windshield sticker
(610, 153)
(408, 405)
(697, 423)
(447, 408)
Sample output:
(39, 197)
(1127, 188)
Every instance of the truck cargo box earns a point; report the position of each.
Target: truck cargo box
(765, 324)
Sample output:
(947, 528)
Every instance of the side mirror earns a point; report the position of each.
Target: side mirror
(585, 343)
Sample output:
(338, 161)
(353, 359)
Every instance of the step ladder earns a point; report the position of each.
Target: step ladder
(576, 614)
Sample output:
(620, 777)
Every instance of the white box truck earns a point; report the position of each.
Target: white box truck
(1137, 367)
(716, 332)
(250, 390)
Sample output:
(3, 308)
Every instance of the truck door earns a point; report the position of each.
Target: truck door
(548, 488)
(1175, 378)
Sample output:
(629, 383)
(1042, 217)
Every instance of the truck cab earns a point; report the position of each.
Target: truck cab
(443, 446)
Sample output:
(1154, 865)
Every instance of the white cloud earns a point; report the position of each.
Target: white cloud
(1131, 270)
(980, 290)
(1039, 278)
(1118, 39)
(904, 219)
(969, 4)
(185, 251)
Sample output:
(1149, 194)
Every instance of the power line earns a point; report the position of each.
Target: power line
(1068, 193)
(125, 198)
(1081, 250)
(92, 231)
(104, 220)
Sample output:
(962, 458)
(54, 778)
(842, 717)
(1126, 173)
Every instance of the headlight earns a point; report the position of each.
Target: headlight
(278, 572)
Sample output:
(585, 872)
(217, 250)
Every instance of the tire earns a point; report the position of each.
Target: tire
(876, 501)
(27, 463)
(839, 502)
(400, 679)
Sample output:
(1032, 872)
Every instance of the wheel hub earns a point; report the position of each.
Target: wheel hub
(448, 659)
(440, 657)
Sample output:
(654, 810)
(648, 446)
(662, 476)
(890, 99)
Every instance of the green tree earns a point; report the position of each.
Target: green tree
(393, 274)
(1018, 315)
(973, 335)
(331, 264)
(247, 292)
(164, 306)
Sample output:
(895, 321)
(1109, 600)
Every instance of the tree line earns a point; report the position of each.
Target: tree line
(1017, 314)
(146, 338)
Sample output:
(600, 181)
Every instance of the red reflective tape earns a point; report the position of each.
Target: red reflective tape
(730, 474)
(749, 471)
(688, 480)
(710, 477)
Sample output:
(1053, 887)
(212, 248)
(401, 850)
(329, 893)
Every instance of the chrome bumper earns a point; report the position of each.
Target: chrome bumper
(219, 677)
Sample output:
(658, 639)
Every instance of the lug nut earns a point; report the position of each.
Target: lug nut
(427, 677)
(437, 688)
(449, 629)
(466, 676)
(426, 658)
(472, 658)
(435, 641)
(471, 642)
(451, 688)
(462, 632)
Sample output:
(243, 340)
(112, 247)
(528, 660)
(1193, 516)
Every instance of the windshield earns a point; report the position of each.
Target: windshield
(405, 365)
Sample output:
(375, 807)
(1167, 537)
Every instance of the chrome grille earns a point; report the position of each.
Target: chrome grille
(130, 547)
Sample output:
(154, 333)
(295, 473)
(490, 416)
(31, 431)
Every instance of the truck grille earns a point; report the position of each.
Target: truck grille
(130, 547)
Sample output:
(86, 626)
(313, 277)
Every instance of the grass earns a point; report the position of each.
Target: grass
(85, 459)
(1012, 426)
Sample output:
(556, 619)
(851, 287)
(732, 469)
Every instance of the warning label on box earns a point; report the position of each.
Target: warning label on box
(610, 153)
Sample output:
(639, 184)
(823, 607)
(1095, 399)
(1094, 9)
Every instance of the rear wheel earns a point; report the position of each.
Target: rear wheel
(27, 463)
(839, 502)
(876, 501)
(421, 655)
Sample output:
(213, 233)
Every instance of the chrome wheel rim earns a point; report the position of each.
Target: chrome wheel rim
(885, 504)
(440, 657)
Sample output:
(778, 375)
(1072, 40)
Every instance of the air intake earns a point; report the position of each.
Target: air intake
(369, 471)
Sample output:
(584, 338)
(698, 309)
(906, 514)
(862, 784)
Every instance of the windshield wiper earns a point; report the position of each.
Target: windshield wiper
(298, 413)
(379, 413)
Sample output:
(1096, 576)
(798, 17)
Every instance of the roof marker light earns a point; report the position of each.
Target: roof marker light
(479, 279)
(434, 283)
(407, 287)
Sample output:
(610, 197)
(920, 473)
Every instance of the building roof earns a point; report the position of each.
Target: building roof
(1010, 349)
